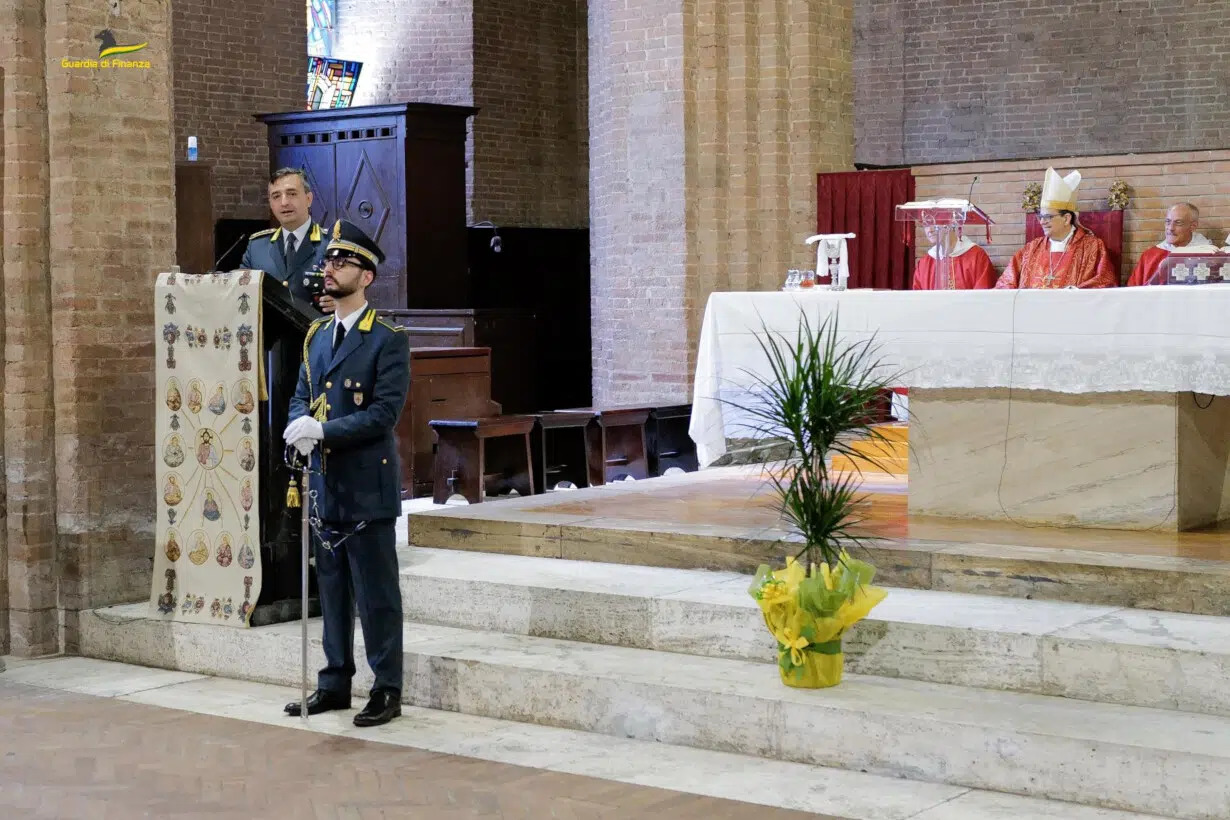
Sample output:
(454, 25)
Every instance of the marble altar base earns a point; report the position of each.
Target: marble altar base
(1127, 460)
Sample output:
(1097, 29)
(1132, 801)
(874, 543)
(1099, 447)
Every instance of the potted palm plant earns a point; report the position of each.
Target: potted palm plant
(816, 396)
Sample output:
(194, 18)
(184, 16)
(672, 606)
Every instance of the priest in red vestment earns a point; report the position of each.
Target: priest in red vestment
(1066, 255)
(969, 267)
(1181, 223)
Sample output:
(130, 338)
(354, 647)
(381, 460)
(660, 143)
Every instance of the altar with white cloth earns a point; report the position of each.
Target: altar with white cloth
(1095, 408)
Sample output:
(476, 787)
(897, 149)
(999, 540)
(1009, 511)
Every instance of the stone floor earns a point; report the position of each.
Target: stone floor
(70, 755)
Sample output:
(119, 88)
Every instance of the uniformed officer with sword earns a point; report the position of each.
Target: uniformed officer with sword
(352, 387)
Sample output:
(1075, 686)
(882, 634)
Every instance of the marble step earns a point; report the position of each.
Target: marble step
(534, 527)
(1111, 756)
(1108, 654)
(772, 783)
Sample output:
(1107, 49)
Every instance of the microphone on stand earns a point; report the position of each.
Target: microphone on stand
(227, 252)
(970, 195)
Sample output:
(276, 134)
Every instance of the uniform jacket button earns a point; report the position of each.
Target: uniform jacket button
(328, 385)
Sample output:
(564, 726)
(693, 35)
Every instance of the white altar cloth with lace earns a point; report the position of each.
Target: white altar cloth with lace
(1157, 339)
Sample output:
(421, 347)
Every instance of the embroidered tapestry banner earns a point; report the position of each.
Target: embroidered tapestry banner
(207, 556)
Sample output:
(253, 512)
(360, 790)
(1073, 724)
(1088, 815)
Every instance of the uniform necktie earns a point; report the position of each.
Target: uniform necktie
(341, 334)
(290, 246)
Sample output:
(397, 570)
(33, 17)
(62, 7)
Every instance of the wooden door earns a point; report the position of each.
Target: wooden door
(368, 170)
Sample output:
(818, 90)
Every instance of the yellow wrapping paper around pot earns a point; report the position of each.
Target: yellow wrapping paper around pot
(807, 613)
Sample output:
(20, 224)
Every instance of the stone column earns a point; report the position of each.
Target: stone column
(709, 120)
(29, 434)
(112, 229)
(4, 541)
(88, 192)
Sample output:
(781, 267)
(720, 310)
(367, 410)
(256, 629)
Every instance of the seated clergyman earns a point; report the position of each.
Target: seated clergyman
(1066, 255)
(1181, 235)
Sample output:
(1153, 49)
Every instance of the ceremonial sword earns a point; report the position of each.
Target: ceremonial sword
(305, 537)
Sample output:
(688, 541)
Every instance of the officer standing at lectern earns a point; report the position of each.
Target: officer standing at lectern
(352, 386)
(297, 245)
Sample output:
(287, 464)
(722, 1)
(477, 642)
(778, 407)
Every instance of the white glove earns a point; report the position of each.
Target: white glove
(304, 446)
(304, 427)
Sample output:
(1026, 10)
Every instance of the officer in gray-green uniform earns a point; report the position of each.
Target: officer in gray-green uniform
(352, 387)
(297, 246)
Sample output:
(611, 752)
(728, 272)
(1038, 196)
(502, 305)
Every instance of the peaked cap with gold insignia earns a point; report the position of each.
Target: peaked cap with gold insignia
(348, 240)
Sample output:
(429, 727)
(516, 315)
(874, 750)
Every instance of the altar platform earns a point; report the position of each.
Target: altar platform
(724, 519)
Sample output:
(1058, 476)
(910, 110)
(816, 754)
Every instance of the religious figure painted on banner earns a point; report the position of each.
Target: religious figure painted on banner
(208, 448)
(200, 548)
(172, 490)
(174, 399)
(210, 508)
(172, 547)
(245, 494)
(196, 396)
(247, 456)
(247, 558)
(217, 402)
(242, 398)
(173, 451)
(224, 554)
(166, 601)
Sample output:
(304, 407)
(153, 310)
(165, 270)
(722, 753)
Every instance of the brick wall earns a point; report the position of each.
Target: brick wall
(520, 61)
(638, 231)
(233, 59)
(744, 101)
(1156, 181)
(531, 162)
(412, 51)
(417, 51)
(29, 431)
(949, 81)
(770, 108)
(112, 228)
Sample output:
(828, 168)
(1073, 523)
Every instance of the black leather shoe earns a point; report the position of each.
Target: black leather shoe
(383, 707)
(320, 701)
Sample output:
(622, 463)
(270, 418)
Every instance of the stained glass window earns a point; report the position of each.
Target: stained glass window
(320, 17)
(331, 82)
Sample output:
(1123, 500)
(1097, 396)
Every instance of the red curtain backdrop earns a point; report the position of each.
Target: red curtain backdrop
(863, 203)
(1105, 225)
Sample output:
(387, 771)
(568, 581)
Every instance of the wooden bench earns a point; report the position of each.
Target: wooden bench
(666, 436)
(559, 448)
(615, 443)
(477, 457)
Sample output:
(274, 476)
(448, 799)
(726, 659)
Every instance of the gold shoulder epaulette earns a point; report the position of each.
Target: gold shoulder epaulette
(394, 328)
(265, 232)
(316, 325)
